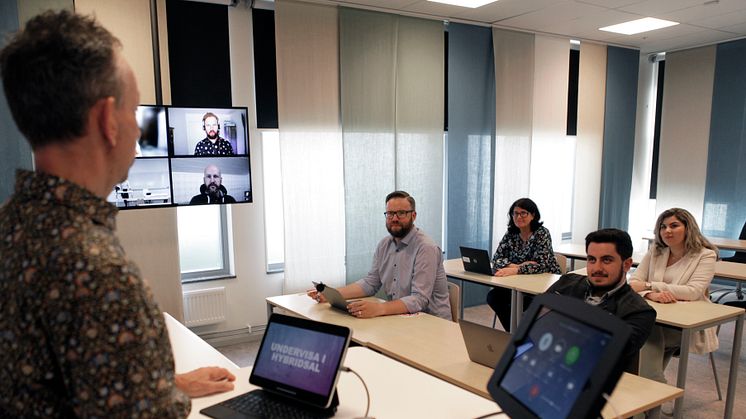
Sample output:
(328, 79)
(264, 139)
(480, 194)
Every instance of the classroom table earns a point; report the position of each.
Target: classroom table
(518, 284)
(723, 269)
(396, 389)
(722, 243)
(574, 251)
(436, 346)
(689, 316)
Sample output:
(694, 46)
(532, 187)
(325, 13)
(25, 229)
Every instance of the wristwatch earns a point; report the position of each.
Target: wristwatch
(648, 286)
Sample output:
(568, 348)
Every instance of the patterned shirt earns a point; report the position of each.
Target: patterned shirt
(538, 248)
(80, 334)
(221, 147)
(410, 271)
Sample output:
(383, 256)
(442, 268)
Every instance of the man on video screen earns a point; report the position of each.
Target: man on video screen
(213, 144)
(212, 191)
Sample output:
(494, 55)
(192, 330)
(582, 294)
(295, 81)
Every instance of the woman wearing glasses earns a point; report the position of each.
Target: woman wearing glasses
(526, 248)
(678, 267)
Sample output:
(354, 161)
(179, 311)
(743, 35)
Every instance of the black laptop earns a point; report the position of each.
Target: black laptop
(476, 260)
(297, 367)
(564, 356)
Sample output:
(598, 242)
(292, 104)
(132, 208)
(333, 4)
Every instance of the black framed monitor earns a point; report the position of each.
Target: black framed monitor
(188, 156)
(564, 356)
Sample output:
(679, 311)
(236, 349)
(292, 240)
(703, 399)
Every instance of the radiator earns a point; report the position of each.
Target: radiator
(204, 307)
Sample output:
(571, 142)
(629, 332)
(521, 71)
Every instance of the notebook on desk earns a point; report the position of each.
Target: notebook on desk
(476, 260)
(484, 345)
(297, 367)
(563, 357)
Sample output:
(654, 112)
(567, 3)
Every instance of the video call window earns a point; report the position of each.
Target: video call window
(188, 156)
(193, 128)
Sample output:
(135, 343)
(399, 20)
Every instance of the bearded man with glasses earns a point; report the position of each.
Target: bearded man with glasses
(408, 264)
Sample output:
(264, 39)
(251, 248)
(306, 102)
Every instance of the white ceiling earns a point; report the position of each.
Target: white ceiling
(702, 21)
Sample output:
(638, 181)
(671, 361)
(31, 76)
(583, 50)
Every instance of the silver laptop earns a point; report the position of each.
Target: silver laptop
(485, 345)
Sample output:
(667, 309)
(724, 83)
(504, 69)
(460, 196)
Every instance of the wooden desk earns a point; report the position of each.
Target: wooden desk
(730, 270)
(692, 316)
(689, 317)
(396, 390)
(436, 346)
(575, 251)
(723, 243)
(518, 284)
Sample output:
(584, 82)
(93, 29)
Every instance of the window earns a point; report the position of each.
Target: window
(204, 242)
(274, 223)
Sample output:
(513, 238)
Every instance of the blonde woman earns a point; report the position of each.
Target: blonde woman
(678, 267)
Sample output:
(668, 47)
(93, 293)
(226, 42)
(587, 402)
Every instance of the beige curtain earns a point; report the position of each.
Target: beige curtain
(685, 130)
(310, 144)
(392, 80)
(514, 94)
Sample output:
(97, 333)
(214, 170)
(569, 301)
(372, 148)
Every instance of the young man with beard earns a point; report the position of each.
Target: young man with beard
(609, 258)
(213, 144)
(212, 191)
(407, 264)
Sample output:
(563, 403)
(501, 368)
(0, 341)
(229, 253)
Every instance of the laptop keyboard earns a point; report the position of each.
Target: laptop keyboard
(261, 405)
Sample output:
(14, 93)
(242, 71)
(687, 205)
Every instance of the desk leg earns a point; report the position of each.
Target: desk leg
(270, 310)
(516, 302)
(733, 374)
(678, 407)
(461, 299)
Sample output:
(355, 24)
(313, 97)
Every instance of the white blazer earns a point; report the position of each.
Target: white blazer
(693, 285)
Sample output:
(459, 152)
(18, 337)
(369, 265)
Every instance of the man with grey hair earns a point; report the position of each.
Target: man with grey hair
(80, 333)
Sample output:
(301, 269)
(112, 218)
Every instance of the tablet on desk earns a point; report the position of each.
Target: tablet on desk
(564, 356)
(332, 296)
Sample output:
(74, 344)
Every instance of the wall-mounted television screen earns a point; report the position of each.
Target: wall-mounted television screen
(188, 156)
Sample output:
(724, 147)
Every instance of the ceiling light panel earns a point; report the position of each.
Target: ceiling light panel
(639, 26)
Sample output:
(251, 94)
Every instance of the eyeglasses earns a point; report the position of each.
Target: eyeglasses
(522, 214)
(399, 214)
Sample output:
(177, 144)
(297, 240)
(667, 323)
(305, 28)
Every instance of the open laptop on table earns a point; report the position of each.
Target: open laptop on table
(485, 345)
(564, 356)
(476, 260)
(297, 367)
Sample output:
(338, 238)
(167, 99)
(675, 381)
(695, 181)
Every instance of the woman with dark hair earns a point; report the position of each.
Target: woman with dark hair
(678, 267)
(526, 248)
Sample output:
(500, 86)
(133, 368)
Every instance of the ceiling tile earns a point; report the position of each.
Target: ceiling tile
(655, 8)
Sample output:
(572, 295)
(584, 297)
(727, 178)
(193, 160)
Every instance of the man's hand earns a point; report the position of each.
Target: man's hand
(664, 297)
(507, 271)
(365, 309)
(319, 297)
(205, 381)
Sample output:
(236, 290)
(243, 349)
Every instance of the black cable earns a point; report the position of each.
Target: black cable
(367, 394)
(489, 414)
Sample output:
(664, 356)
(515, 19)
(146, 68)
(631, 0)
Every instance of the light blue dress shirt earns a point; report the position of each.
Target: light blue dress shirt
(410, 271)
